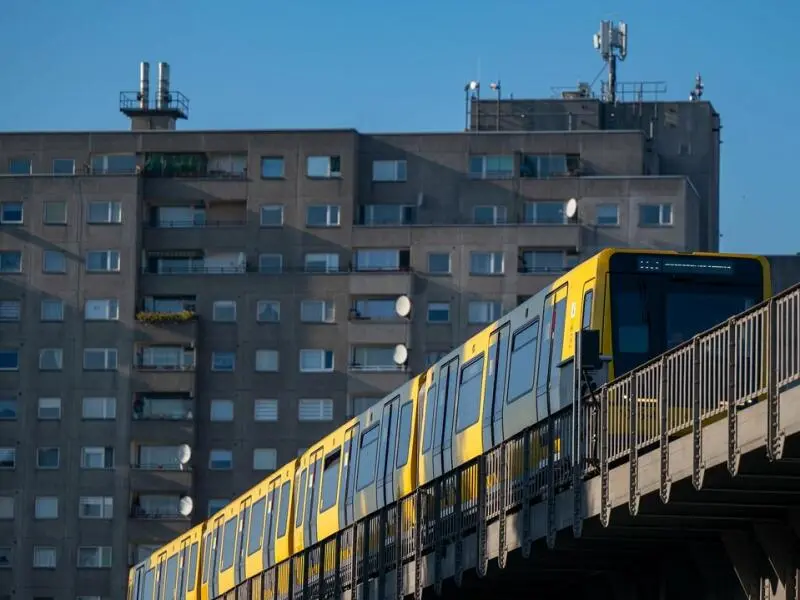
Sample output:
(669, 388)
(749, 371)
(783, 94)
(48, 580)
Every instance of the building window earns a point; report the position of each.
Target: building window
(547, 261)
(223, 361)
(222, 410)
(356, 406)
(226, 166)
(101, 409)
(482, 311)
(8, 458)
(272, 167)
(373, 358)
(439, 263)
(317, 311)
(8, 408)
(389, 170)
(10, 310)
(63, 166)
(486, 263)
(157, 457)
(322, 263)
(388, 214)
(224, 311)
(608, 214)
(323, 216)
(6, 507)
(45, 507)
(271, 215)
(101, 310)
(52, 310)
(324, 166)
(100, 359)
(379, 309)
(20, 166)
(220, 460)
(47, 458)
(316, 361)
(175, 406)
(267, 361)
(270, 263)
(268, 311)
(265, 459)
(96, 507)
(51, 359)
(94, 557)
(491, 167)
(55, 212)
(546, 212)
(265, 410)
(382, 260)
(216, 504)
(44, 557)
(108, 164)
(54, 261)
(97, 457)
(539, 166)
(489, 215)
(166, 357)
(655, 215)
(104, 213)
(11, 213)
(315, 409)
(9, 360)
(438, 312)
(10, 261)
(102, 261)
(49, 409)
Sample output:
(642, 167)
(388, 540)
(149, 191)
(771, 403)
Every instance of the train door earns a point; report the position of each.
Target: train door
(443, 421)
(312, 498)
(494, 389)
(426, 400)
(183, 569)
(241, 540)
(214, 556)
(270, 520)
(136, 586)
(161, 561)
(345, 477)
(385, 487)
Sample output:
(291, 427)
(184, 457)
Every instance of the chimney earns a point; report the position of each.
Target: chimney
(162, 93)
(144, 85)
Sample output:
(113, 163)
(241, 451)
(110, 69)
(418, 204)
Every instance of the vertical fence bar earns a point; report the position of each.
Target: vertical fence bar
(774, 435)
(482, 562)
(663, 405)
(731, 401)
(550, 494)
(697, 423)
(633, 443)
(605, 502)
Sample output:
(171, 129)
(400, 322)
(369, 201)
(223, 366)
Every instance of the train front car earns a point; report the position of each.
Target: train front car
(656, 301)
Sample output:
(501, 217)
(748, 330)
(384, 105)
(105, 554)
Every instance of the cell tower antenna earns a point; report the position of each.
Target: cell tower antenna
(697, 92)
(612, 44)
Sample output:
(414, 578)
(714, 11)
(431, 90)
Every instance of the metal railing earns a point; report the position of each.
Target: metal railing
(750, 358)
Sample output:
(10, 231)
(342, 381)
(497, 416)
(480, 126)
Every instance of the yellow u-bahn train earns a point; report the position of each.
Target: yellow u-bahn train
(500, 382)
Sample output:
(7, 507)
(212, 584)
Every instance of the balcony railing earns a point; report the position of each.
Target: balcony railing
(377, 368)
(197, 270)
(158, 317)
(144, 366)
(146, 412)
(171, 514)
(167, 466)
(190, 224)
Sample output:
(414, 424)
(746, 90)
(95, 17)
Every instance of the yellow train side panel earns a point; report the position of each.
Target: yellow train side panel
(406, 475)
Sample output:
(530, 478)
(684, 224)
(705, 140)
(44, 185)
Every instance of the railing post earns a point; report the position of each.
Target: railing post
(458, 559)
(399, 588)
(577, 440)
(633, 442)
(383, 523)
(665, 480)
(438, 535)
(502, 482)
(731, 400)
(605, 501)
(550, 494)
(774, 434)
(418, 539)
(527, 542)
(698, 466)
(482, 565)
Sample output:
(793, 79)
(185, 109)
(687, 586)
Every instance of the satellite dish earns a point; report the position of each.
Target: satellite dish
(400, 354)
(402, 306)
(184, 453)
(185, 506)
(571, 209)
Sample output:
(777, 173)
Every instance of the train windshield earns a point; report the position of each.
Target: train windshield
(660, 306)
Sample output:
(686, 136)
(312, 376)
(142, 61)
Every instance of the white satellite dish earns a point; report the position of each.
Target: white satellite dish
(400, 354)
(184, 453)
(185, 506)
(402, 306)
(571, 209)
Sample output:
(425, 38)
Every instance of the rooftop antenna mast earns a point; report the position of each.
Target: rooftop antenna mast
(697, 92)
(612, 43)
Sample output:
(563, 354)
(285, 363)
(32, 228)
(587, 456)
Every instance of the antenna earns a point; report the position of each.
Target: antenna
(609, 39)
(697, 92)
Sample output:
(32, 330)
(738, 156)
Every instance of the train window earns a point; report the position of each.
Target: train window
(206, 556)
(428, 400)
(330, 480)
(149, 584)
(283, 517)
(449, 402)
(523, 361)
(404, 435)
(228, 543)
(367, 457)
(558, 345)
(586, 321)
(183, 570)
(300, 498)
(172, 577)
(469, 395)
(256, 527)
(544, 349)
(192, 567)
(160, 577)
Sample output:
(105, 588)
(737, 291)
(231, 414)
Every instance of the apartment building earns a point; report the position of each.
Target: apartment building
(234, 291)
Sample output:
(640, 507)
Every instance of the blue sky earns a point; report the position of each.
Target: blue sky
(401, 66)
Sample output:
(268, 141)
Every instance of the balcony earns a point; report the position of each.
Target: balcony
(158, 531)
(163, 418)
(195, 176)
(179, 235)
(167, 367)
(385, 281)
(168, 328)
(160, 477)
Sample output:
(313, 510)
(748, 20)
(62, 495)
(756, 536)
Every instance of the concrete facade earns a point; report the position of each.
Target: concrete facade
(89, 255)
